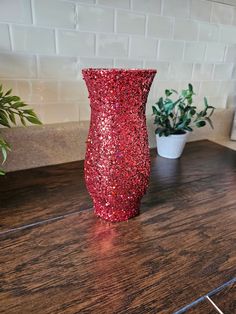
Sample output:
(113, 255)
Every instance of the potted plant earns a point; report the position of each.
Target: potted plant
(12, 111)
(175, 118)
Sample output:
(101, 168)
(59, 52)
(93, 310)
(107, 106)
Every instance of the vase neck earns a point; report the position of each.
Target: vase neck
(120, 90)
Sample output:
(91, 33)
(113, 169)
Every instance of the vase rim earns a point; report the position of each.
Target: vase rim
(120, 69)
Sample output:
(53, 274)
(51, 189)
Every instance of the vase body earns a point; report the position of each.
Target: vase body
(117, 162)
(171, 146)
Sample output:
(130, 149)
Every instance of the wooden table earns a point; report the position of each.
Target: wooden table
(57, 257)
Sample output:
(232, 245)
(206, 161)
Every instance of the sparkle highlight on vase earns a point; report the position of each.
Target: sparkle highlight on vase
(117, 162)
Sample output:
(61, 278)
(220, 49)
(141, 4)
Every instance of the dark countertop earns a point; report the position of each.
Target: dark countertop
(57, 257)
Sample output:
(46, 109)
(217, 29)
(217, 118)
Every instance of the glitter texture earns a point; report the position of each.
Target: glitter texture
(117, 162)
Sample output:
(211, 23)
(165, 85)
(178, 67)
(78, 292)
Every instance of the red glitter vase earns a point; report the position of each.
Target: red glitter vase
(117, 162)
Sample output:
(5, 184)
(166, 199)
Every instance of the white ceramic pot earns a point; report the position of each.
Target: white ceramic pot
(171, 146)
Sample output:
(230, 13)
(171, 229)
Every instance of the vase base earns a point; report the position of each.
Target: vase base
(112, 215)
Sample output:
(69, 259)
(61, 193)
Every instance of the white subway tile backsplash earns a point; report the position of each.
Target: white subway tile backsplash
(33, 39)
(215, 52)
(160, 26)
(55, 13)
(74, 43)
(208, 32)
(230, 103)
(210, 88)
(227, 87)
(73, 90)
(171, 50)
(148, 6)
(228, 34)
(201, 10)
(128, 63)
(9, 84)
(112, 45)
(161, 86)
(186, 30)
(202, 72)
(84, 111)
(149, 104)
(85, 1)
(222, 13)
(223, 71)
(50, 41)
(44, 91)
(59, 112)
(142, 47)
(95, 19)
(152, 96)
(95, 63)
(161, 67)
(234, 18)
(194, 52)
(24, 90)
(5, 37)
(114, 3)
(17, 66)
(131, 23)
(181, 71)
(58, 68)
(17, 11)
(218, 101)
(176, 8)
(231, 54)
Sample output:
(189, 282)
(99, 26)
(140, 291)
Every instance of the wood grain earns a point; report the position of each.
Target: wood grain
(226, 299)
(202, 308)
(181, 246)
(29, 196)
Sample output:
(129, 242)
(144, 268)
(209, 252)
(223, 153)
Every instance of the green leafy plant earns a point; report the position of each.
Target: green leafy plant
(177, 116)
(13, 110)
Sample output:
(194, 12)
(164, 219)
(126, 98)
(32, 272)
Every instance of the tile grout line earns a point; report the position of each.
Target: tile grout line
(41, 222)
(215, 306)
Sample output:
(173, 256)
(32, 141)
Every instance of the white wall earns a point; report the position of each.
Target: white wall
(45, 43)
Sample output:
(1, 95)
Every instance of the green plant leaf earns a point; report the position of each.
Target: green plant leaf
(3, 119)
(15, 98)
(22, 120)
(210, 122)
(8, 92)
(154, 110)
(160, 103)
(4, 147)
(200, 124)
(190, 87)
(4, 154)
(30, 112)
(189, 100)
(212, 111)
(168, 92)
(176, 116)
(10, 108)
(18, 104)
(12, 117)
(192, 112)
(33, 120)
